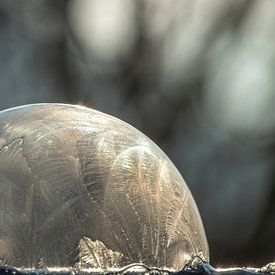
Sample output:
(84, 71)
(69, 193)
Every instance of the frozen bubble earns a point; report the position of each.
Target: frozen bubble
(79, 188)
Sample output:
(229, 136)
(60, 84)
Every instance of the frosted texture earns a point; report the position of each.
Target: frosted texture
(79, 188)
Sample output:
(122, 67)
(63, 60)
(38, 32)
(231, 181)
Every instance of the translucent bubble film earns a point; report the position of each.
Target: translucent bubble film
(79, 188)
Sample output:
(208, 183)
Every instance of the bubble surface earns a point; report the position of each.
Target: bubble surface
(79, 188)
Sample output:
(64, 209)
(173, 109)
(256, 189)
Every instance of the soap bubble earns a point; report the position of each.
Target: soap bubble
(82, 189)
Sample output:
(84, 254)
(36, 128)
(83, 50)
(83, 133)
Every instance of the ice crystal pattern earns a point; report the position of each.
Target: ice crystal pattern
(79, 188)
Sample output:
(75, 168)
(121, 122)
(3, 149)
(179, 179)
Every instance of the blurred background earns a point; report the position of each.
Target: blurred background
(197, 77)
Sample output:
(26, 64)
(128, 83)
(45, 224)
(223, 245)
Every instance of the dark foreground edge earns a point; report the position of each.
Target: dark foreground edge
(201, 269)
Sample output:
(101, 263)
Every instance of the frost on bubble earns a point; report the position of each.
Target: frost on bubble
(79, 188)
